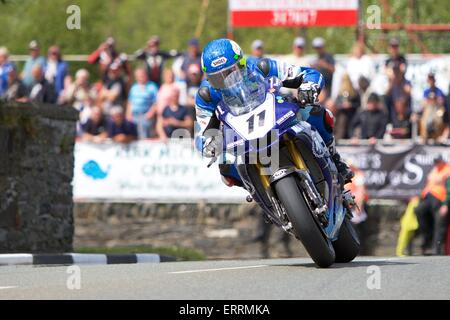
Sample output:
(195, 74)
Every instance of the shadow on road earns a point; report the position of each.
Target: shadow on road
(354, 264)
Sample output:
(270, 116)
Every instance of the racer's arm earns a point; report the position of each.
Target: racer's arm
(290, 75)
(206, 102)
(308, 80)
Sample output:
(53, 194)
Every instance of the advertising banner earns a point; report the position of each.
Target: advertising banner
(175, 172)
(394, 172)
(292, 13)
(147, 171)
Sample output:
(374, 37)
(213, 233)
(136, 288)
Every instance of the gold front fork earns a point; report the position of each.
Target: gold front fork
(296, 157)
(264, 177)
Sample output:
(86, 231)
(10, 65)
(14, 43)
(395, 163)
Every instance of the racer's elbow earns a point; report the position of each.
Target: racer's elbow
(313, 75)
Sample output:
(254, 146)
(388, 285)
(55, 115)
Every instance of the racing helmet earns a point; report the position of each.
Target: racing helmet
(220, 58)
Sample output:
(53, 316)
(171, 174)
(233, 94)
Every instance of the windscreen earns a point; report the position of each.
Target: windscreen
(243, 91)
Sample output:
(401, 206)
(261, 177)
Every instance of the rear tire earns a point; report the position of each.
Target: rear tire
(305, 227)
(347, 244)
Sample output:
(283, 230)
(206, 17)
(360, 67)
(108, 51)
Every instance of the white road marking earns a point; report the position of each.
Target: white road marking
(220, 269)
(363, 259)
(10, 287)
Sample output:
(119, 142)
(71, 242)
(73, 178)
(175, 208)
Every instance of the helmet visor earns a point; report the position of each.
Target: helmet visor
(217, 79)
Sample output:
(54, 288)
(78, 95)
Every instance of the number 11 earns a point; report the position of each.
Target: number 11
(251, 121)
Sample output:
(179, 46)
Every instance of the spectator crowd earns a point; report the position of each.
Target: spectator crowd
(145, 99)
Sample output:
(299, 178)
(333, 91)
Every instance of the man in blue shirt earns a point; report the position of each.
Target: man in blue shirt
(141, 99)
(173, 117)
(191, 56)
(35, 58)
(439, 94)
(120, 129)
(5, 68)
(56, 69)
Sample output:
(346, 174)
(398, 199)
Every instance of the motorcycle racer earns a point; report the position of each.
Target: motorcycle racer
(220, 58)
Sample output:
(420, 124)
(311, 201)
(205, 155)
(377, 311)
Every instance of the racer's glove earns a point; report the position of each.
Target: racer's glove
(308, 93)
(212, 147)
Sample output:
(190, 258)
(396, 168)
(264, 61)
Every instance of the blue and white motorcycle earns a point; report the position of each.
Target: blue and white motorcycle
(286, 167)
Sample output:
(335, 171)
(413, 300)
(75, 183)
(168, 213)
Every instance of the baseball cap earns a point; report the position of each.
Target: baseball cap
(193, 42)
(299, 42)
(373, 97)
(33, 45)
(394, 42)
(257, 44)
(318, 42)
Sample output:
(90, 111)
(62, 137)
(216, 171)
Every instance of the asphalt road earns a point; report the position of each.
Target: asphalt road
(391, 278)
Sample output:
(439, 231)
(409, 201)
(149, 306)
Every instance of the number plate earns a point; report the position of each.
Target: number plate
(256, 123)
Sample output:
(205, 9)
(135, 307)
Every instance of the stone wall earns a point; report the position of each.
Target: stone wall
(36, 169)
(220, 231)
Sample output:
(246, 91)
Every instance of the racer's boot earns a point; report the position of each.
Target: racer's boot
(230, 176)
(344, 170)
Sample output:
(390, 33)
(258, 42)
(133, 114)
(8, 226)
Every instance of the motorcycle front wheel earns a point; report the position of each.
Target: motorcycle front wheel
(306, 229)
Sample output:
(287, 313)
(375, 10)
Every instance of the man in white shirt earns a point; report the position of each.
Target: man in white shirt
(297, 57)
(359, 65)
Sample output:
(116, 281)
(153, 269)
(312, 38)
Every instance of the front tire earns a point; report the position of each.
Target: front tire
(305, 227)
(347, 244)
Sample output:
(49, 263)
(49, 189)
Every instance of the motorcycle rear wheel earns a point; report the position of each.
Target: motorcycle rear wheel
(347, 244)
(305, 226)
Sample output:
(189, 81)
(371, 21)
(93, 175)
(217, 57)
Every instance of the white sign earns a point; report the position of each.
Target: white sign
(148, 171)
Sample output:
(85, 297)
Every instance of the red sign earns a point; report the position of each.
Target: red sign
(291, 13)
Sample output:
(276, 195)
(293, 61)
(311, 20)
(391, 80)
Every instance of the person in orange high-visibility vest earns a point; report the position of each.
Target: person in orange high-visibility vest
(432, 224)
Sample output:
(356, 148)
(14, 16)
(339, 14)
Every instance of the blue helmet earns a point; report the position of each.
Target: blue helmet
(221, 57)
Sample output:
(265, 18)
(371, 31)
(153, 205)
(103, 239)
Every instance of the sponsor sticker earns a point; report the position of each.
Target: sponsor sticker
(279, 173)
(285, 117)
(218, 62)
(235, 47)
